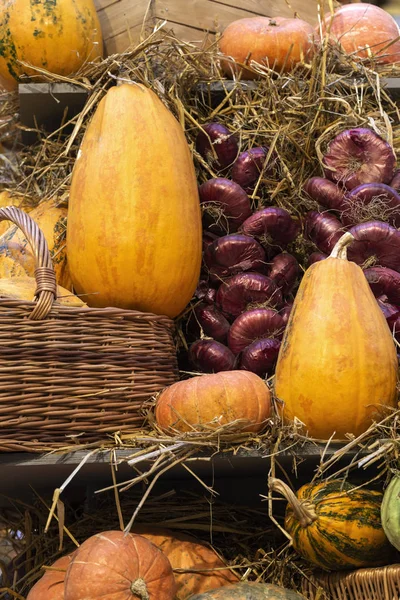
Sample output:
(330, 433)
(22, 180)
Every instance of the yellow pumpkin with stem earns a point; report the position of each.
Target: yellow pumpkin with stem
(337, 363)
(134, 220)
(56, 35)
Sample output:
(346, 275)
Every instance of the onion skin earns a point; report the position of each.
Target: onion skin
(375, 239)
(236, 293)
(261, 356)
(253, 325)
(316, 257)
(276, 223)
(325, 192)
(323, 229)
(223, 142)
(212, 322)
(205, 293)
(285, 312)
(230, 198)
(208, 238)
(384, 282)
(284, 271)
(248, 167)
(390, 311)
(363, 195)
(209, 356)
(233, 254)
(395, 182)
(358, 156)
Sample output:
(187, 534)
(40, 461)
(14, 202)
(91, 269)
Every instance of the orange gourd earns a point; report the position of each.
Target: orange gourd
(366, 31)
(278, 42)
(51, 585)
(56, 35)
(202, 568)
(16, 256)
(134, 221)
(337, 363)
(115, 566)
(210, 401)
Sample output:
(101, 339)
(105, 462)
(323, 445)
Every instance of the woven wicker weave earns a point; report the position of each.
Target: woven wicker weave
(381, 583)
(67, 371)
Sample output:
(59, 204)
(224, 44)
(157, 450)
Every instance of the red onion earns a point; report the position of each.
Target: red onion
(395, 183)
(260, 357)
(273, 222)
(217, 145)
(254, 325)
(316, 257)
(285, 312)
(376, 240)
(376, 198)
(323, 229)
(209, 356)
(212, 322)
(358, 156)
(233, 254)
(390, 312)
(249, 165)
(284, 271)
(205, 292)
(325, 192)
(208, 238)
(228, 197)
(240, 291)
(383, 281)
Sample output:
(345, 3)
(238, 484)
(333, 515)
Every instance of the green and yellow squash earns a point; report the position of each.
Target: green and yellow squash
(134, 219)
(55, 35)
(335, 526)
(390, 512)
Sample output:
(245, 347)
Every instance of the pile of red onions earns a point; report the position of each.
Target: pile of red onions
(250, 271)
(244, 298)
(360, 194)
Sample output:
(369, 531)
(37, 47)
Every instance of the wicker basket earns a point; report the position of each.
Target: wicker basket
(74, 374)
(381, 583)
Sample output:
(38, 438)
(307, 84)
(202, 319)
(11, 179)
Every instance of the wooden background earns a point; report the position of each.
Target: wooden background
(122, 20)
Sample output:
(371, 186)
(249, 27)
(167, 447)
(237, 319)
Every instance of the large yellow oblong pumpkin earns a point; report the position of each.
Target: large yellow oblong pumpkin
(337, 362)
(134, 221)
(56, 35)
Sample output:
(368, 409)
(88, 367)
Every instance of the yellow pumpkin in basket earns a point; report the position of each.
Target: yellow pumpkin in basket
(16, 256)
(23, 288)
(7, 199)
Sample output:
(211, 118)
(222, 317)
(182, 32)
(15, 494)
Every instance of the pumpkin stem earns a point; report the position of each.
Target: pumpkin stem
(340, 248)
(139, 589)
(304, 511)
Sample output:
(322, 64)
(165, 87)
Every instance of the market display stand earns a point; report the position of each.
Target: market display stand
(239, 478)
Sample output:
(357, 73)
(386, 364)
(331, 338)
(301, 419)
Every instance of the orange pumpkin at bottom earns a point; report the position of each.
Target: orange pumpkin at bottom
(200, 568)
(277, 42)
(115, 566)
(51, 585)
(210, 401)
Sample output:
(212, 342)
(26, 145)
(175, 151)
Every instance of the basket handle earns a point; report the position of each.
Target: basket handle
(46, 284)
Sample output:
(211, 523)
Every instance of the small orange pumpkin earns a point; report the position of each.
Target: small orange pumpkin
(366, 31)
(202, 568)
(112, 565)
(278, 42)
(214, 400)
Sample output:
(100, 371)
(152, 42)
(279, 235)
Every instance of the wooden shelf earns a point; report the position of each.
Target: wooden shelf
(242, 476)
